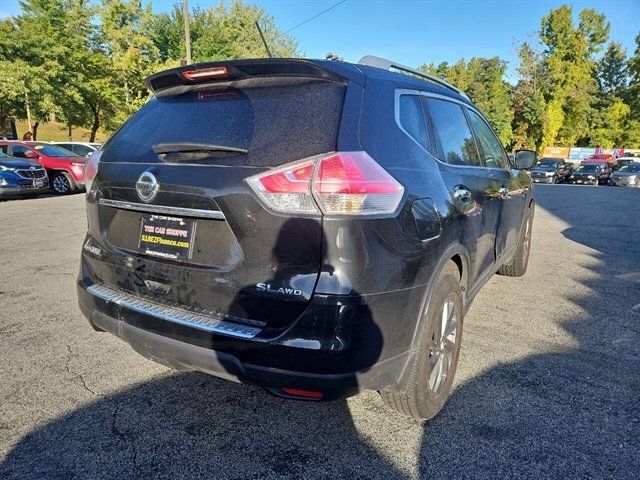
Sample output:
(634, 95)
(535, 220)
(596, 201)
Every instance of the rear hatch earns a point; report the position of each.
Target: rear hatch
(202, 241)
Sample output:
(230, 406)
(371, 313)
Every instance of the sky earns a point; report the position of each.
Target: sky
(417, 32)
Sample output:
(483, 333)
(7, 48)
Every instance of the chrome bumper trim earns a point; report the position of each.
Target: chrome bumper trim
(171, 314)
(163, 209)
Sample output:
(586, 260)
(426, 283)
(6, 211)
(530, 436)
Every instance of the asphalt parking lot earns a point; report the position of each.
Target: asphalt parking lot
(548, 383)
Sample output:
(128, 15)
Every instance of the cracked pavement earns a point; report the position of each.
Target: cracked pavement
(548, 382)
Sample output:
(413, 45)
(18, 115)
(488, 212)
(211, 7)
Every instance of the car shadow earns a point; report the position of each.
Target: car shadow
(192, 425)
(564, 412)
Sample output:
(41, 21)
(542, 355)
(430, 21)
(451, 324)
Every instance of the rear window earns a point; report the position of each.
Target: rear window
(275, 120)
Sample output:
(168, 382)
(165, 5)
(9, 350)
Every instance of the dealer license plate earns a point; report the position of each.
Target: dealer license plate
(167, 237)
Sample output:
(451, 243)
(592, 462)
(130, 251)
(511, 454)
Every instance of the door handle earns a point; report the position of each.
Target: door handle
(504, 193)
(462, 193)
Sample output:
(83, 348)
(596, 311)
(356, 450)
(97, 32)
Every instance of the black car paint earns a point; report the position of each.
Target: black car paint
(364, 282)
(561, 171)
(602, 174)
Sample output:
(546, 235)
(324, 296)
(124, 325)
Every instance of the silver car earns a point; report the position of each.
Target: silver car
(627, 176)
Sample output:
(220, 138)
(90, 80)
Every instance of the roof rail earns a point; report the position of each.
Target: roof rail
(385, 64)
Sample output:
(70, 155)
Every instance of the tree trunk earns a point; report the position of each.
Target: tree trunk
(35, 130)
(26, 105)
(69, 131)
(95, 125)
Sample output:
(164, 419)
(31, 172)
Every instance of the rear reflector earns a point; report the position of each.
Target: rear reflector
(310, 394)
(343, 183)
(205, 73)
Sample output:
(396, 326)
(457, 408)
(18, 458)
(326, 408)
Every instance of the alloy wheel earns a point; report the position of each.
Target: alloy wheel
(61, 184)
(444, 346)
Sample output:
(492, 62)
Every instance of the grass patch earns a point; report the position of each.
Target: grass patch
(57, 132)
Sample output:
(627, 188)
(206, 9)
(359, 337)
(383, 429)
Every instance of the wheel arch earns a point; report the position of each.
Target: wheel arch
(459, 255)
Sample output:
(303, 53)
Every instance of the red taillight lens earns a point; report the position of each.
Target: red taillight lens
(343, 183)
(353, 183)
(91, 169)
(205, 73)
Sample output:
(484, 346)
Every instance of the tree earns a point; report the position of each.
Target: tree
(569, 64)
(612, 70)
(133, 55)
(230, 32)
(528, 101)
(632, 94)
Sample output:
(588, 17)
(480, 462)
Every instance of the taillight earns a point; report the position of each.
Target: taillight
(343, 183)
(353, 183)
(91, 169)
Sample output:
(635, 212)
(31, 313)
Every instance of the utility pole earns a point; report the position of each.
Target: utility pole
(187, 35)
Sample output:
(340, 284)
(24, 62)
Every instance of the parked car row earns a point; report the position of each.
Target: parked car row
(592, 171)
(33, 168)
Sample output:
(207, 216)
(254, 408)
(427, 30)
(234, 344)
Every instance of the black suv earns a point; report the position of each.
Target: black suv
(312, 227)
(551, 170)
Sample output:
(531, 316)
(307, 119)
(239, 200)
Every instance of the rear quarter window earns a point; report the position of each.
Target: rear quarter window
(275, 120)
(411, 117)
(456, 142)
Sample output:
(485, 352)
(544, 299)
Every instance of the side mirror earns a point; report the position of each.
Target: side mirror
(524, 159)
(31, 155)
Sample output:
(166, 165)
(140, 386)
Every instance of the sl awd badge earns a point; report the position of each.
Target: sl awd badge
(147, 187)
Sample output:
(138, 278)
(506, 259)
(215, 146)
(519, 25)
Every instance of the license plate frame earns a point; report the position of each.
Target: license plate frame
(167, 237)
(38, 183)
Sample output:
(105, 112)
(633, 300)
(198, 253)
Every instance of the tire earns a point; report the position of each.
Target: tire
(61, 184)
(434, 364)
(518, 266)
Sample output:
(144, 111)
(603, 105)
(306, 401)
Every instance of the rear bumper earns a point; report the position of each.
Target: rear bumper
(293, 360)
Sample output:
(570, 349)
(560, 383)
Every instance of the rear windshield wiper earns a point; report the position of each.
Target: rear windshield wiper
(186, 151)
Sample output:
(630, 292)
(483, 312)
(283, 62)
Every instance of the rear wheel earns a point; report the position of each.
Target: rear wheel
(436, 359)
(61, 184)
(518, 266)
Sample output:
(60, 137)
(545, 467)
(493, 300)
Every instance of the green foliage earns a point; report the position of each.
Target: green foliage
(632, 94)
(612, 70)
(528, 101)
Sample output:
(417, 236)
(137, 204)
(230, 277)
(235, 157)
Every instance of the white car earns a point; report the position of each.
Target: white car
(84, 149)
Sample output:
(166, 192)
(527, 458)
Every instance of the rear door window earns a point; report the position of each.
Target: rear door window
(492, 152)
(412, 119)
(456, 144)
(81, 150)
(277, 120)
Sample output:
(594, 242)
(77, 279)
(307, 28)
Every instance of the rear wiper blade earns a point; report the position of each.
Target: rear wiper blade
(202, 148)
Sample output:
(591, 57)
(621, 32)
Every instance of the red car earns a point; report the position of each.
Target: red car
(65, 168)
(601, 157)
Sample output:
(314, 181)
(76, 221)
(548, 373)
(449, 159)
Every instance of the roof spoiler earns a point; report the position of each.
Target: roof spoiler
(229, 70)
(383, 63)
